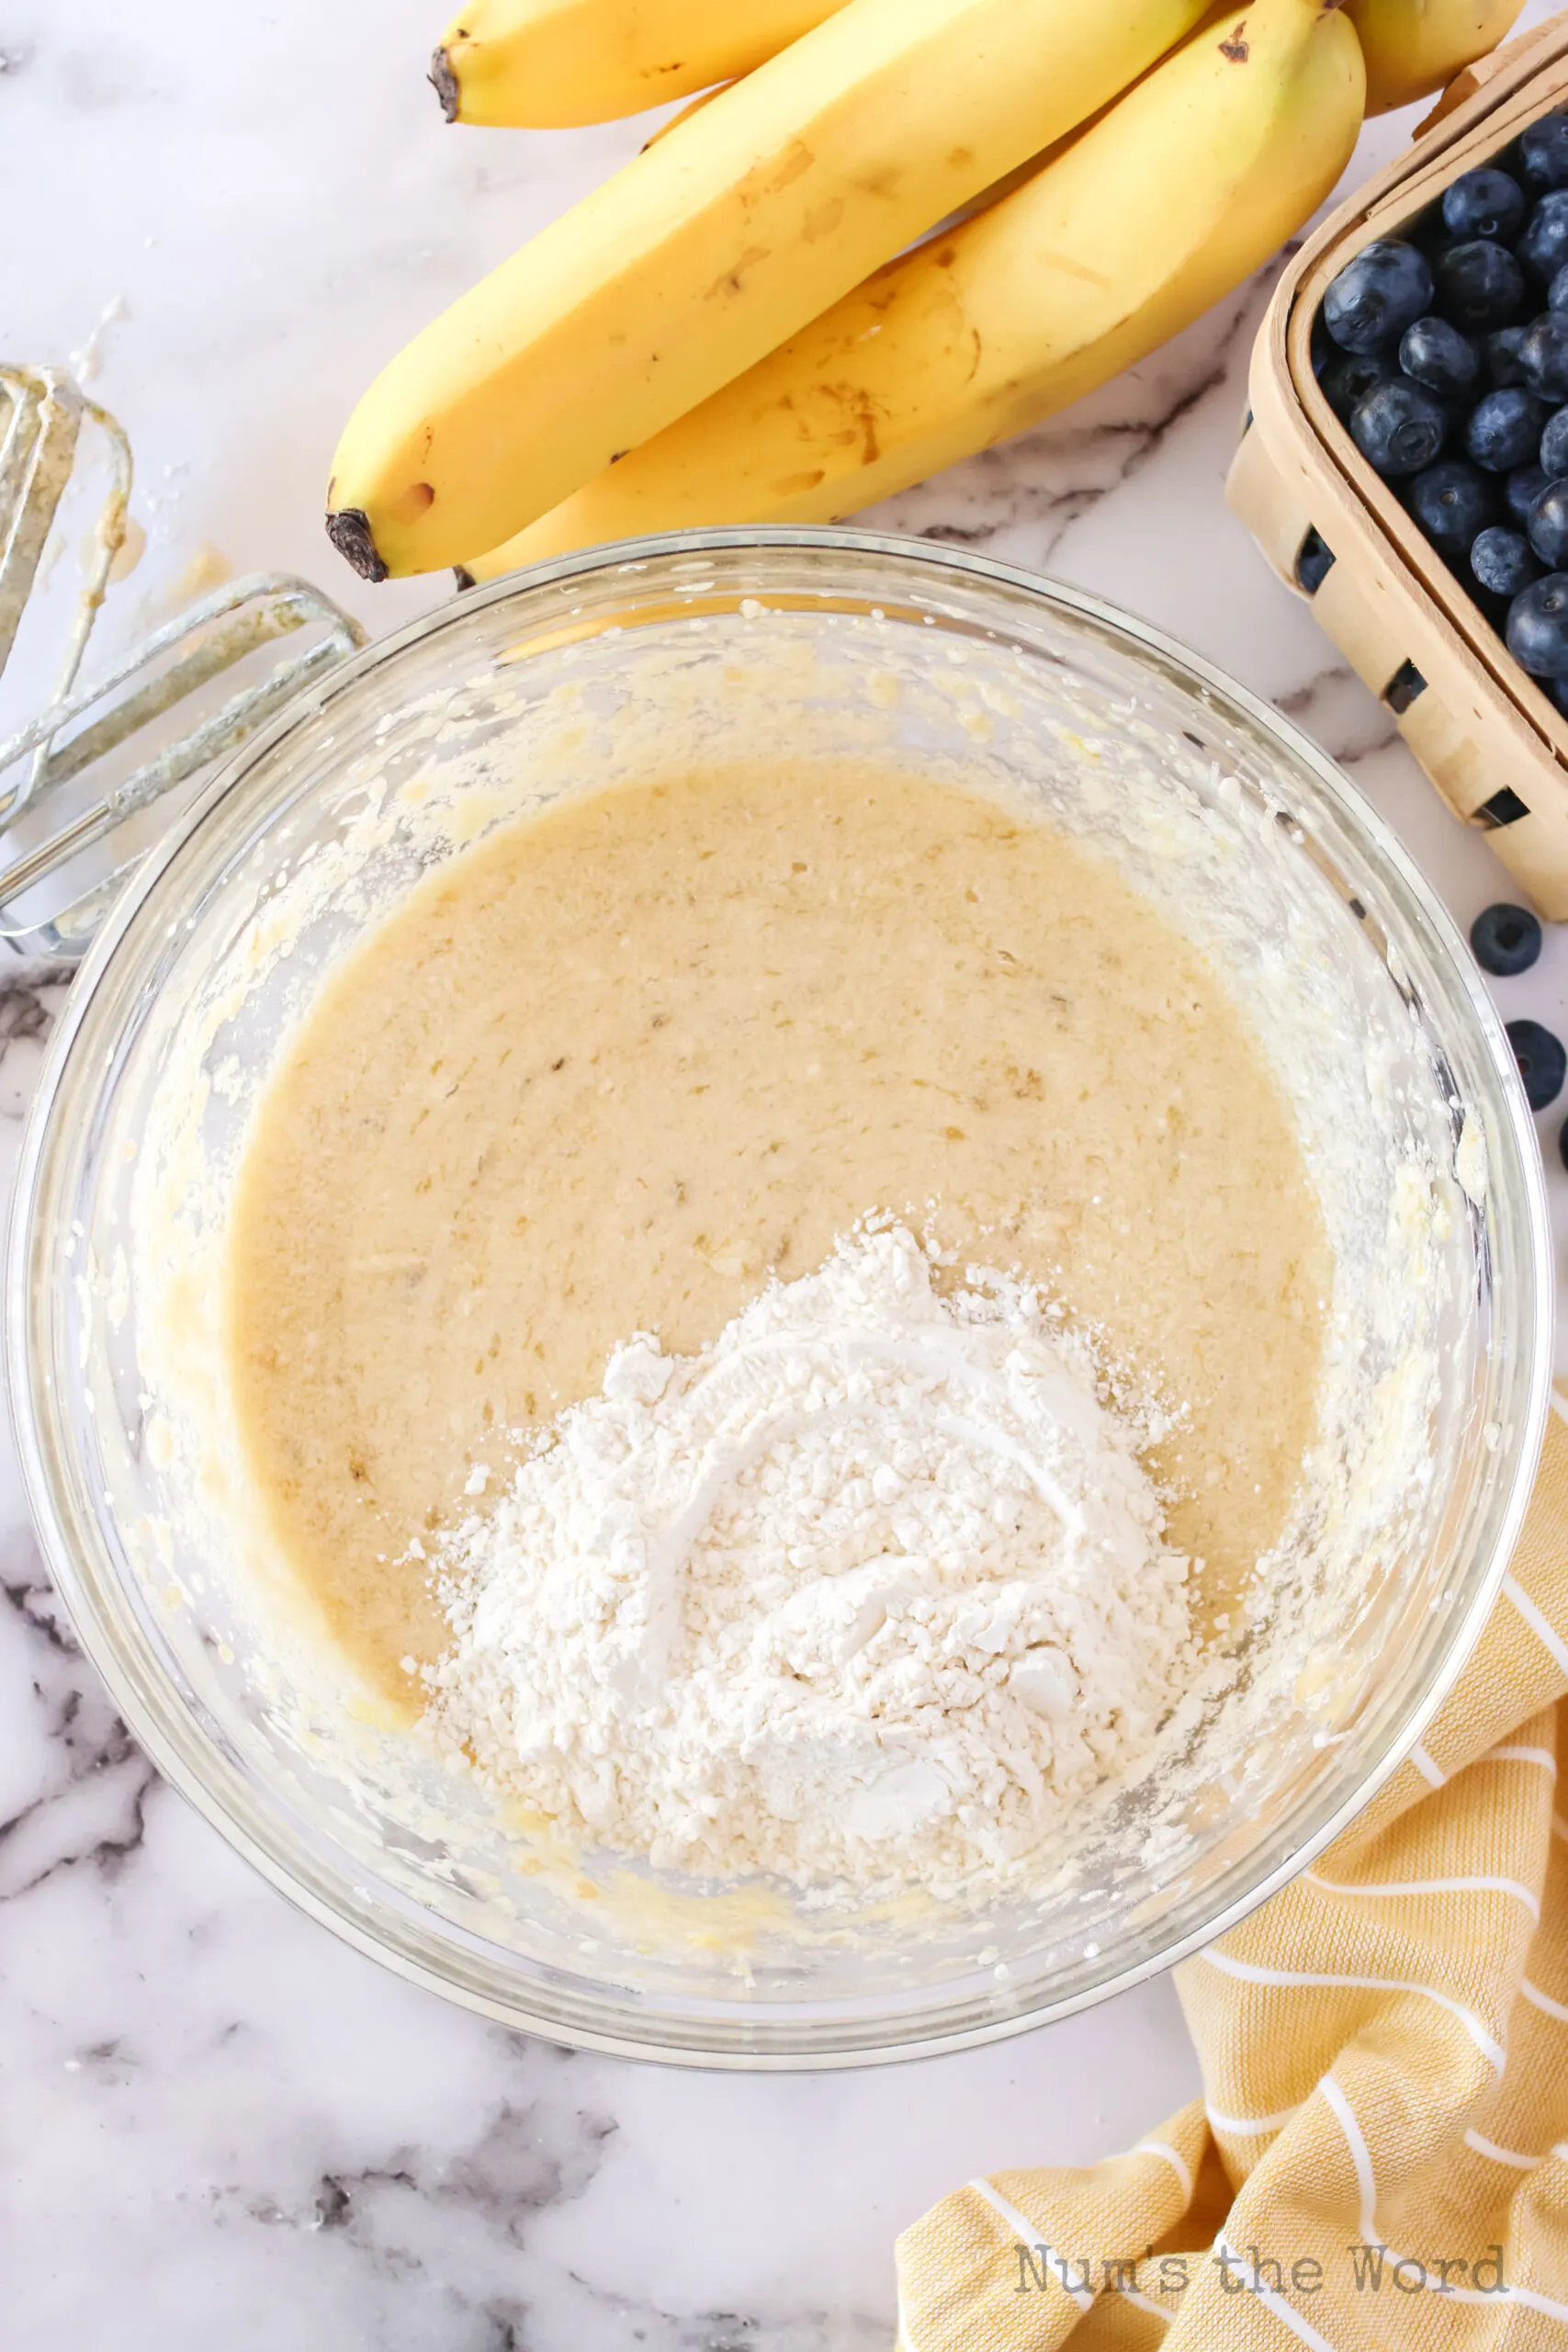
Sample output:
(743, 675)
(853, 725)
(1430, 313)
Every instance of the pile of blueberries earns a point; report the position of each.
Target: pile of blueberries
(1445, 353)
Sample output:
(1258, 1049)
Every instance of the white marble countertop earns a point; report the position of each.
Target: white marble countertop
(220, 2124)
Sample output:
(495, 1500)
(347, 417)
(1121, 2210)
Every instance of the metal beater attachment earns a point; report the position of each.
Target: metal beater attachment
(75, 735)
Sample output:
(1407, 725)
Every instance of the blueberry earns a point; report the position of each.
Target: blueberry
(1485, 203)
(1398, 426)
(1542, 153)
(1451, 502)
(1503, 356)
(1314, 561)
(1434, 354)
(1543, 248)
(1548, 525)
(1479, 285)
(1557, 292)
(1543, 354)
(1542, 1063)
(1538, 627)
(1506, 940)
(1350, 375)
(1323, 345)
(1505, 430)
(1554, 444)
(1521, 490)
(1502, 561)
(1377, 296)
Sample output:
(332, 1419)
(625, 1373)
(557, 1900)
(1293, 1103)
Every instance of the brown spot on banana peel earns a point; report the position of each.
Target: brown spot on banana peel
(796, 158)
(861, 430)
(411, 502)
(348, 527)
(1077, 269)
(772, 174)
(730, 283)
(444, 82)
(1234, 47)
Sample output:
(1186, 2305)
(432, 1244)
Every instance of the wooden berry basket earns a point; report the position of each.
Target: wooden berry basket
(1492, 742)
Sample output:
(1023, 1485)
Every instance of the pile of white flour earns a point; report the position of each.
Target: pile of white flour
(873, 1588)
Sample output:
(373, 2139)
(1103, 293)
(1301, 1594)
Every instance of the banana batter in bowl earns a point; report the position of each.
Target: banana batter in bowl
(668, 949)
(610, 1071)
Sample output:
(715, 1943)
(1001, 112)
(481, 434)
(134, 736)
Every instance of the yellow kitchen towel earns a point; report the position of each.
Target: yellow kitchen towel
(1379, 2162)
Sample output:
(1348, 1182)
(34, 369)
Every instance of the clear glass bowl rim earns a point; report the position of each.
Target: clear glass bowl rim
(166, 1727)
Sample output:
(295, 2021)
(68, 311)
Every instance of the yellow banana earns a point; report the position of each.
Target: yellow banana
(705, 251)
(1414, 47)
(1186, 186)
(674, 121)
(548, 64)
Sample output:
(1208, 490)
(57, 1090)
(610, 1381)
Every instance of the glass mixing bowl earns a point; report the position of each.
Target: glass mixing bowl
(821, 641)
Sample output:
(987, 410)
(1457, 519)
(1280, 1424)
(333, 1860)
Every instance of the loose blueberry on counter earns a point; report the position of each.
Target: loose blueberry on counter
(1452, 502)
(1554, 444)
(1434, 354)
(1505, 940)
(1502, 561)
(1349, 377)
(1542, 1063)
(1521, 490)
(1562, 1143)
(1542, 154)
(1547, 529)
(1538, 627)
(1314, 561)
(1543, 354)
(1386, 289)
(1505, 429)
(1543, 248)
(1399, 427)
(1484, 203)
(1478, 285)
(1502, 348)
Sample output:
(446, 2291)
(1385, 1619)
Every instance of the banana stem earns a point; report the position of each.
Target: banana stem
(444, 82)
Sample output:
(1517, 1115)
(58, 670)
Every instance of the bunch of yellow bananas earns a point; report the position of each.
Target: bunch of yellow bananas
(742, 326)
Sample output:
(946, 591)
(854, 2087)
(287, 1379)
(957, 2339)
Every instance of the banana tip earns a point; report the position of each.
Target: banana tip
(463, 576)
(348, 527)
(444, 82)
